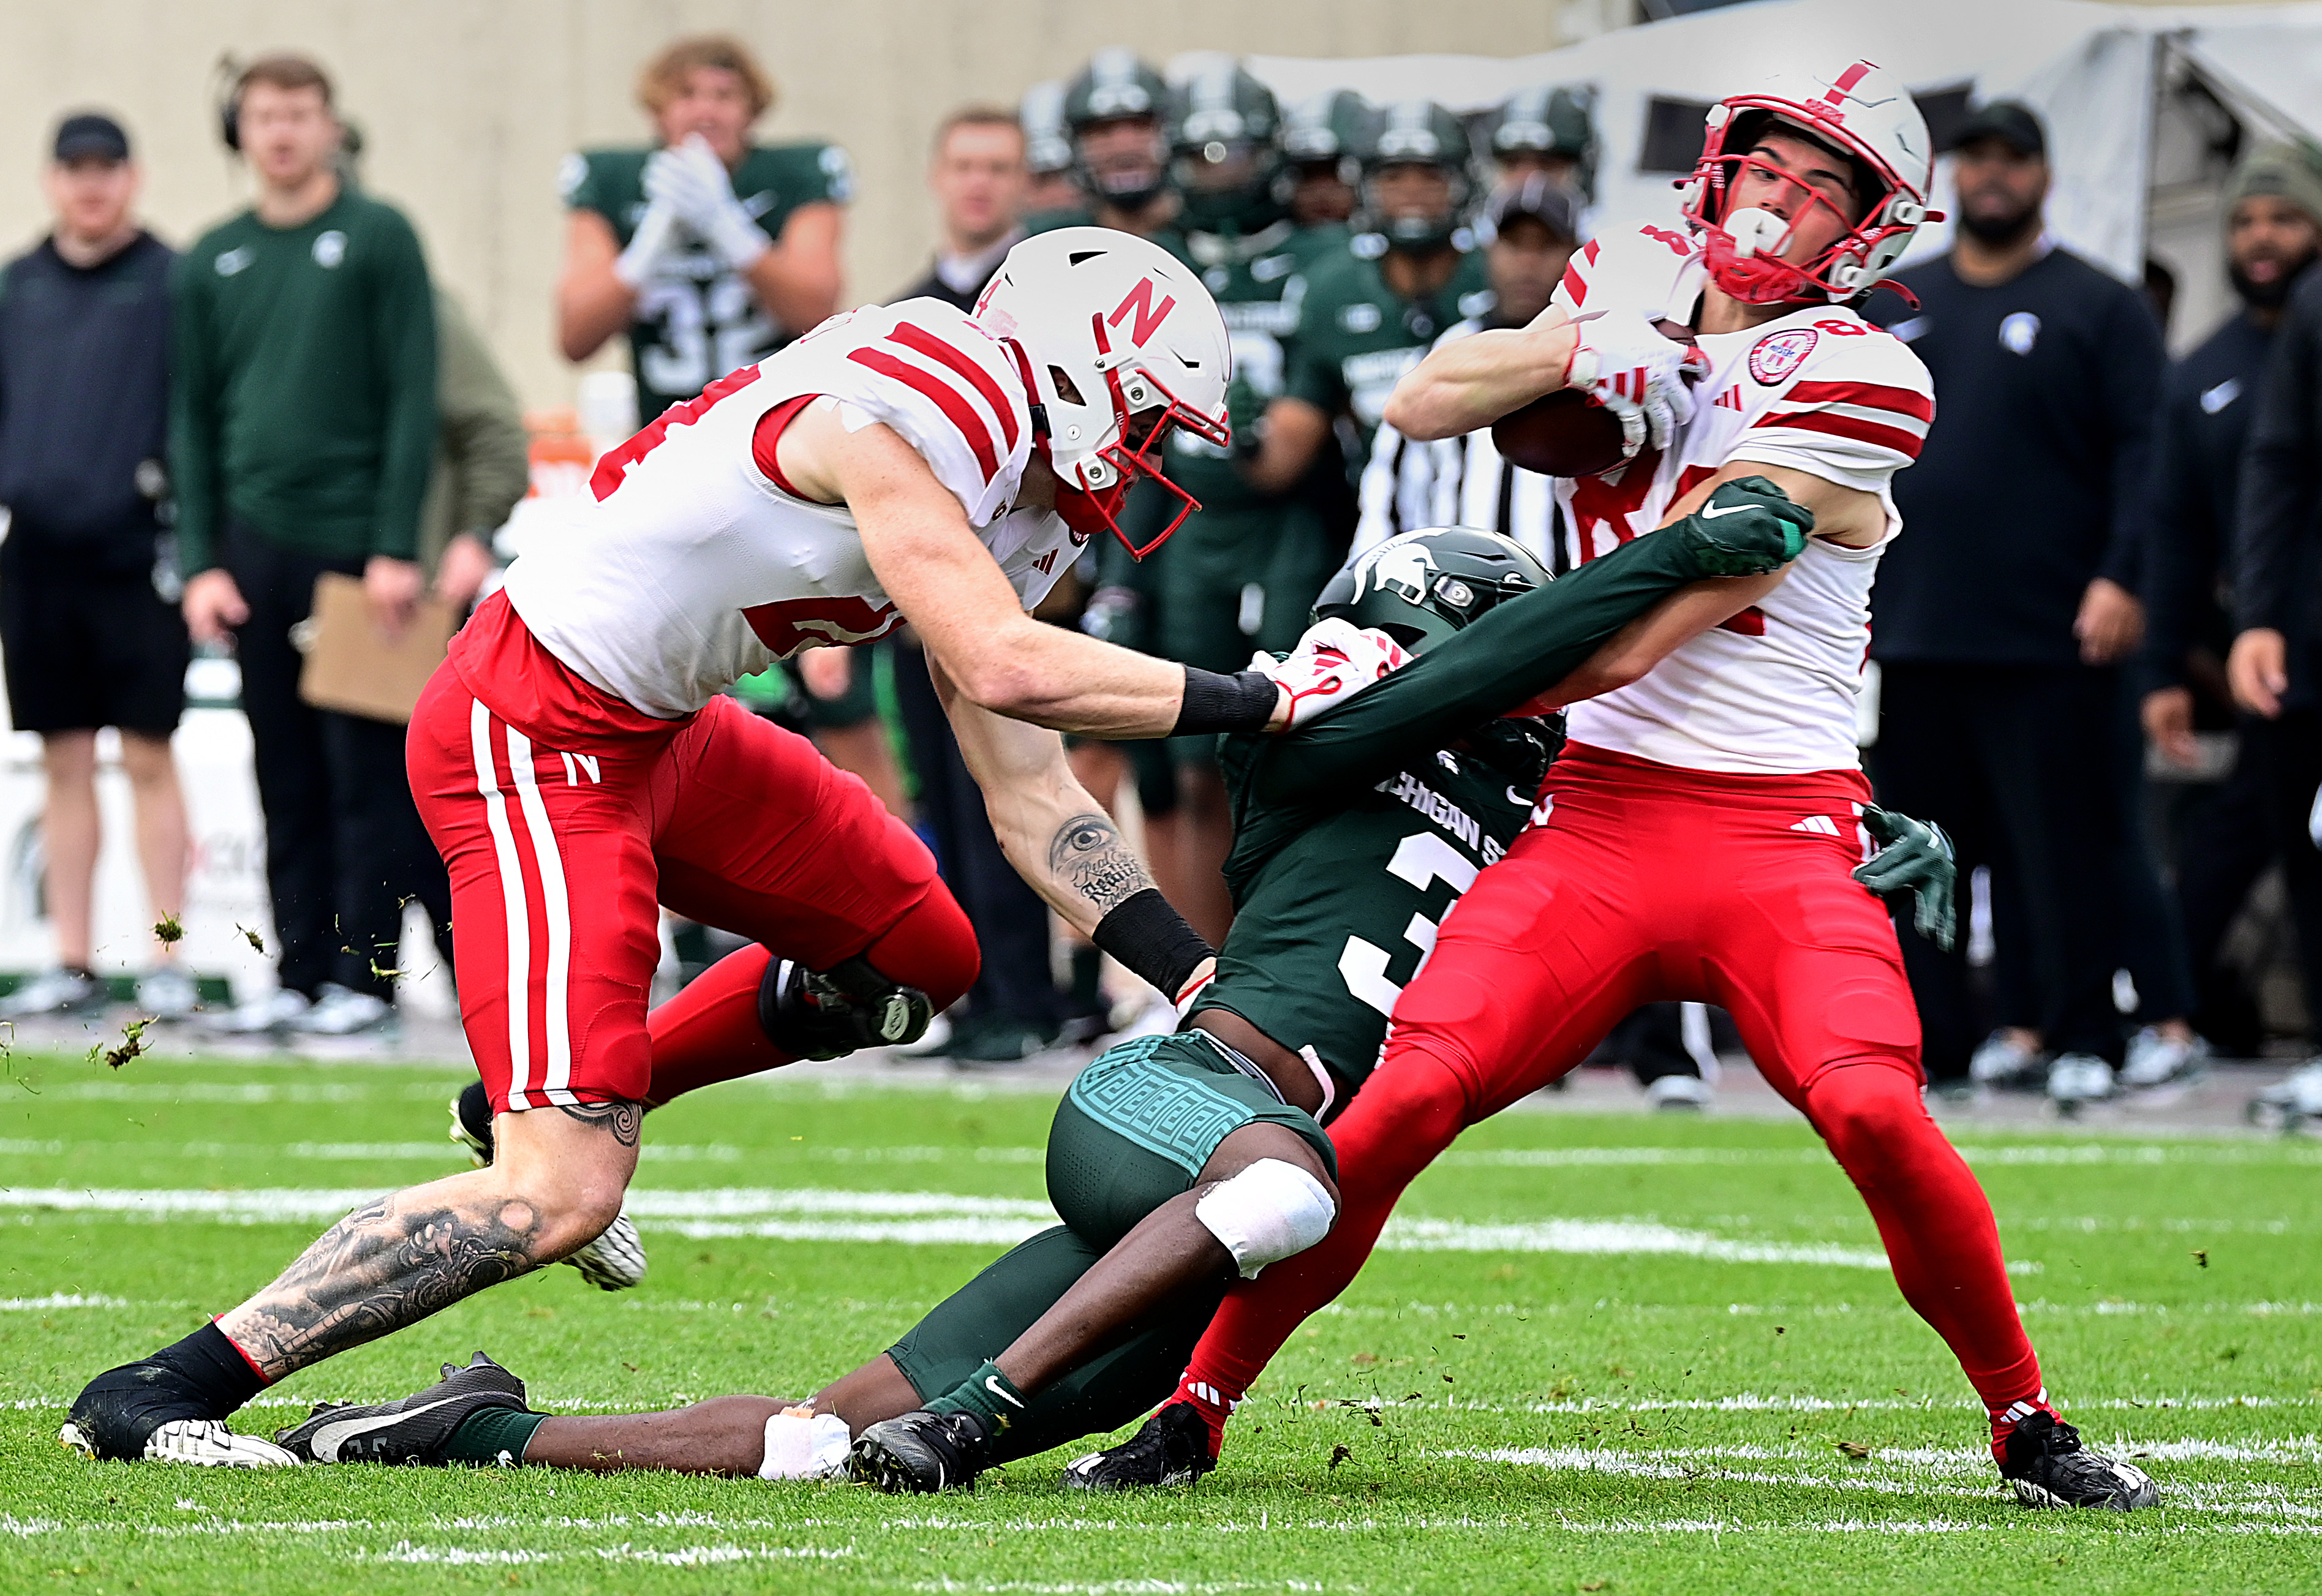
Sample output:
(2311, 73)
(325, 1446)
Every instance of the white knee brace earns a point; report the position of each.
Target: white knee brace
(1270, 1211)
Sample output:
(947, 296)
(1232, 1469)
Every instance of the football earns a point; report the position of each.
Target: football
(1566, 433)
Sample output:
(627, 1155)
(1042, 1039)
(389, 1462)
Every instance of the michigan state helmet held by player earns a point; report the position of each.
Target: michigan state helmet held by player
(1860, 112)
(1117, 343)
(1223, 142)
(1115, 86)
(1423, 135)
(1421, 586)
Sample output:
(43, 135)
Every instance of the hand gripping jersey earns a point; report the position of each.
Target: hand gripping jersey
(1819, 391)
(694, 569)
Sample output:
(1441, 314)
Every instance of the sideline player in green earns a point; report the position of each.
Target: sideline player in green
(1243, 570)
(711, 251)
(1114, 109)
(1369, 312)
(1181, 1161)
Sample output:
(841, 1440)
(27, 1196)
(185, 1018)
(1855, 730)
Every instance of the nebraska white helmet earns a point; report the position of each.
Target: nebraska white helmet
(1118, 342)
(1862, 113)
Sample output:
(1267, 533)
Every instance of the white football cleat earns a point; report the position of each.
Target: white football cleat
(1680, 1093)
(615, 1261)
(206, 1443)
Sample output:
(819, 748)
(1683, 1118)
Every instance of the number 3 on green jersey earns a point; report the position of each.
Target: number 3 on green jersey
(1423, 860)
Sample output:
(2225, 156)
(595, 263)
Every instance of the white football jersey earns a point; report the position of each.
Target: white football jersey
(1820, 390)
(693, 569)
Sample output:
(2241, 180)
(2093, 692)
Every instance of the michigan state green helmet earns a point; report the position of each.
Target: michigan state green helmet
(1117, 87)
(1548, 125)
(1328, 127)
(1223, 135)
(1421, 586)
(1415, 133)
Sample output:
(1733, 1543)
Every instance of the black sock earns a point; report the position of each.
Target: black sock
(213, 1368)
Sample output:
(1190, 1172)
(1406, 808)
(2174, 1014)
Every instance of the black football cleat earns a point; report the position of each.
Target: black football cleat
(143, 1412)
(413, 1429)
(828, 1014)
(471, 1123)
(2050, 1468)
(921, 1452)
(1172, 1448)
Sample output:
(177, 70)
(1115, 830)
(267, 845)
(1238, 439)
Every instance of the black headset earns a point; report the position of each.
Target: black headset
(227, 75)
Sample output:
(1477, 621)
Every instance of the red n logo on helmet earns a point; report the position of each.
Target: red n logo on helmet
(1140, 299)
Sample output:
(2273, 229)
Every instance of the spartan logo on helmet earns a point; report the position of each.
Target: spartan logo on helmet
(1401, 567)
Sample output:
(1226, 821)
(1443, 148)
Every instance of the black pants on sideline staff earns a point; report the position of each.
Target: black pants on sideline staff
(2255, 817)
(2017, 762)
(1011, 919)
(344, 847)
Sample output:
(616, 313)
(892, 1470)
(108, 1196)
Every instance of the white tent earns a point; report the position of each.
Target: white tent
(2142, 102)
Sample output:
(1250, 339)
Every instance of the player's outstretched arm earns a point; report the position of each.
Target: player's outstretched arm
(1471, 382)
(592, 302)
(1519, 649)
(946, 583)
(1061, 840)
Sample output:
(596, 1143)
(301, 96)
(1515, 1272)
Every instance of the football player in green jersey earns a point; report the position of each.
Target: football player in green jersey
(1548, 131)
(1179, 1162)
(1243, 570)
(713, 251)
(1368, 314)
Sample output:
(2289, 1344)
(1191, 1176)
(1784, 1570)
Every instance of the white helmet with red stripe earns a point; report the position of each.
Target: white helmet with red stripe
(1859, 110)
(1118, 342)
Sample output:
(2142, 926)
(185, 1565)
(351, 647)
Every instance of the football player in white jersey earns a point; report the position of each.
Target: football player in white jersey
(576, 763)
(1694, 842)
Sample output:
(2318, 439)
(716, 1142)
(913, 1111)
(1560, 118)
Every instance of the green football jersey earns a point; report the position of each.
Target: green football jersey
(697, 319)
(1256, 281)
(1355, 835)
(1357, 337)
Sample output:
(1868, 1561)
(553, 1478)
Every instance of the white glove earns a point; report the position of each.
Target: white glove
(1333, 661)
(691, 179)
(1634, 372)
(656, 230)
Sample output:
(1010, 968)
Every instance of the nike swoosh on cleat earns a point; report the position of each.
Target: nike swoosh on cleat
(328, 1439)
(1712, 512)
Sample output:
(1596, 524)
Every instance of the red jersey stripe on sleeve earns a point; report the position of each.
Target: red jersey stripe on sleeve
(927, 343)
(1907, 444)
(947, 398)
(1871, 396)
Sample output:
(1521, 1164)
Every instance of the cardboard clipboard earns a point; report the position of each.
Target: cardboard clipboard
(352, 669)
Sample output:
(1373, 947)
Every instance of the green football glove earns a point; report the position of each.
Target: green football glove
(1246, 415)
(1749, 528)
(1914, 856)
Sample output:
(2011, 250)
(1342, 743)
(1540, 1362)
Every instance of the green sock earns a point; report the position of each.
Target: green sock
(988, 1394)
(493, 1435)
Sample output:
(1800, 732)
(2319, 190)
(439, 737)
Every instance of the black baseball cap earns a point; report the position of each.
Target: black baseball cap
(2011, 122)
(1541, 198)
(91, 135)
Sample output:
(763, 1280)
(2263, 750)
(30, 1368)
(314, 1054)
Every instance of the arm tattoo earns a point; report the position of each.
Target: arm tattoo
(624, 1119)
(383, 1267)
(1088, 856)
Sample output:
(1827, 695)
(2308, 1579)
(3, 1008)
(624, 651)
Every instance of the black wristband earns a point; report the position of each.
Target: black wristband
(1242, 702)
(1152, 940)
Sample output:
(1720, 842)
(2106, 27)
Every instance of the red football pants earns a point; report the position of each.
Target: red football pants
(561, 834)
(1645, 884)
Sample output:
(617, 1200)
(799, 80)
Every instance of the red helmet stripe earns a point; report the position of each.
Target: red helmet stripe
(947, 398)
(927, 343)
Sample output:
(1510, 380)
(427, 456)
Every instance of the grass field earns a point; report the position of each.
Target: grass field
(1606, 1353)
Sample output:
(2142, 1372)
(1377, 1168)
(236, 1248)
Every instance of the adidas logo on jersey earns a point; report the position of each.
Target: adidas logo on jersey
(1820, 826)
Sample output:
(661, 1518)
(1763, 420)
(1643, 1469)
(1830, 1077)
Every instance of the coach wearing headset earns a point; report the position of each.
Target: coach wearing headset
(303, 427)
